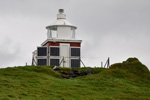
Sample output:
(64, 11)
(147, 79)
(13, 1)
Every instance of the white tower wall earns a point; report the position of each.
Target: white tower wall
(64, 32)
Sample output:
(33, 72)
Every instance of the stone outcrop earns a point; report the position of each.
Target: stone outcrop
(73, 72)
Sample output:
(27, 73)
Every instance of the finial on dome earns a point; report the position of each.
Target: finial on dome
(61, 10)
(61, 14)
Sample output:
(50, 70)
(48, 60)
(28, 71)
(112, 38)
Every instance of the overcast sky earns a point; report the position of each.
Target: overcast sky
(118, 29)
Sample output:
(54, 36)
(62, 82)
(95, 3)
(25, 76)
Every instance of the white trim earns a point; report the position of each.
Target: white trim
(55, 57)
(60, 25)
(77, 57)
(42, 57)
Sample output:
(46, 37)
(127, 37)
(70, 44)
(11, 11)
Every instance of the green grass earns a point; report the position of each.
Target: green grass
(42, 83)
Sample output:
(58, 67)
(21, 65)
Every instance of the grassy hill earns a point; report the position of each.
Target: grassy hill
(129, 80)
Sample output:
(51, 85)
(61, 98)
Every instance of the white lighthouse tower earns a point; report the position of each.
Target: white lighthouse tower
(61, 47)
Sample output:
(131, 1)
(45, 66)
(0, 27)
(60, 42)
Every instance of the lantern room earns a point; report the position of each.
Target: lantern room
(61, 28)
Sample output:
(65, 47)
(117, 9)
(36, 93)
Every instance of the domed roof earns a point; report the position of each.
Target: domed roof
(61, 20)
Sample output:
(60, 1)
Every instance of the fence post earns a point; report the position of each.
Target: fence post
(32, 61)
(81, 62)
(108, 62)
(102, 64)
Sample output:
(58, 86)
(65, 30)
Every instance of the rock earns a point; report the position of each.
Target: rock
(56, 68)
(90, 71)
(70, 72)
(65, 76)
(83, 73)
(64, 72)
(75, 71)
(73, 75)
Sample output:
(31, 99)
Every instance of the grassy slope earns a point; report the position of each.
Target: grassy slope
(42, 83)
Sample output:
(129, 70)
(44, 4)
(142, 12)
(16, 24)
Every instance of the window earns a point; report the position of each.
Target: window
(54, 62)
(75, 51)
(75, 63)
(54, 51)
(42, 51)
(54, 34)
(73, 33)
(42, 62)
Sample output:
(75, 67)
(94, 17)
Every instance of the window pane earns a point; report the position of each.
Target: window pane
(42, 62)
(75, 63)
(54, 34)
(42, 51)
(54, 51)
(75, 51)
(54, 62)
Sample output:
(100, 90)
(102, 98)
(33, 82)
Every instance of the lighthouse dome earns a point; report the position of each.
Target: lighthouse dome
(61, 20)
(61, 28)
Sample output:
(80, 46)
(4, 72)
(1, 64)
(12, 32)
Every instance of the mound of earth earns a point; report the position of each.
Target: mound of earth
(132, 65)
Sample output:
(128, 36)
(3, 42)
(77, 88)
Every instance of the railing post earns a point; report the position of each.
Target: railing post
(62, 61)
(33, 61)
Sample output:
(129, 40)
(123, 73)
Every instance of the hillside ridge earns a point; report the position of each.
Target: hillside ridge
(128, 80)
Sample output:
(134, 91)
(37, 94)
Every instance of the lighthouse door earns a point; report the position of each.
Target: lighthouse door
(64, 54)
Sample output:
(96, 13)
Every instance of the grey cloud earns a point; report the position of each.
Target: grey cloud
(109, 28)
(9, 53)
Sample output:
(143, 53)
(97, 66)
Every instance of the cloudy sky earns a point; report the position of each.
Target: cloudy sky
(118, 29)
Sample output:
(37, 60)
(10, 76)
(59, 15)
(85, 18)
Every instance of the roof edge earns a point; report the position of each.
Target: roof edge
(60, 25)
(60, 40)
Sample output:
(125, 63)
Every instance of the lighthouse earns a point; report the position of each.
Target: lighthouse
(61, 48)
